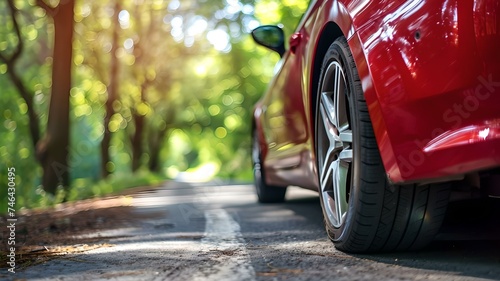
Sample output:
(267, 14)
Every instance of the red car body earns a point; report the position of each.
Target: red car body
(430, 73)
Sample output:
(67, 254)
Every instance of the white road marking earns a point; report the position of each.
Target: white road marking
(224, 244)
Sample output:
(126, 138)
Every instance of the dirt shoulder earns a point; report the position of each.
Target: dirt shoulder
(51, 233)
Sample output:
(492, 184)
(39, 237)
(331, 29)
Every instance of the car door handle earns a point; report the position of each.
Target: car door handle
(295, 40)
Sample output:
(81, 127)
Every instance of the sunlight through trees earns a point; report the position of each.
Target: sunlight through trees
(158, 87)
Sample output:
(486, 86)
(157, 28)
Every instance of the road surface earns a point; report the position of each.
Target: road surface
(215, 231)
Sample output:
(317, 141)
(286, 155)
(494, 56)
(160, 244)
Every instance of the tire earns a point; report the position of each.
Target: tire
(265, 193)
(362, 211)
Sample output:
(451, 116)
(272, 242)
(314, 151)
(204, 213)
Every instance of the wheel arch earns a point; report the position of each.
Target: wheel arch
(331, 31)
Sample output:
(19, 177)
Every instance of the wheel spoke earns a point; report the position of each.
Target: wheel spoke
(255, 156)
(256, 151)
(328, 112)
(340, 189)
(340, 102)
(346, 155)
(326, 174)
(346, 136)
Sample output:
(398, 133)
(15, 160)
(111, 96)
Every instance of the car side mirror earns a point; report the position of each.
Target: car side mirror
(271, 37)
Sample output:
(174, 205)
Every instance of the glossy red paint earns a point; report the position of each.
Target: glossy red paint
(430, 71)
(430, 79)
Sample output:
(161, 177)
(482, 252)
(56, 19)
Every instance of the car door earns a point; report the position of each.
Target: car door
(284, 116)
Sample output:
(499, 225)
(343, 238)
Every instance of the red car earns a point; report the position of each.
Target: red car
(380, 106)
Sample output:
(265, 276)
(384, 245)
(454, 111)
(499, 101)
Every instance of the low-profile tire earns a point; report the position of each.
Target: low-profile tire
(265, 193)
(362, 211)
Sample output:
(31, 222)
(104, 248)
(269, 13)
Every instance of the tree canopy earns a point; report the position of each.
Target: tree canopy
(155, 86)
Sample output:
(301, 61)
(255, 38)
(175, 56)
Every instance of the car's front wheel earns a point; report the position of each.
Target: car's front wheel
(363, 212)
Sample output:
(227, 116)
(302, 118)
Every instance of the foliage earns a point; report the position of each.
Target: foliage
(188, 69)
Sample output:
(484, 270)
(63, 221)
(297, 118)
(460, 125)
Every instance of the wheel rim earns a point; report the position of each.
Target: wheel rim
(334, 144)
(256, 160)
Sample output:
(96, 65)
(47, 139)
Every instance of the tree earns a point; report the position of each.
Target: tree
(151, 107)
(112, 93)
(11, 61)
(53, 149)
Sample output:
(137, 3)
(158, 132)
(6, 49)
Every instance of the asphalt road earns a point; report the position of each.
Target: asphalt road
(214, 231)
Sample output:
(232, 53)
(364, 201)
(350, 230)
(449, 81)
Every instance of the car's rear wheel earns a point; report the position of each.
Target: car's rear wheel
(265, 193)
(363, 212)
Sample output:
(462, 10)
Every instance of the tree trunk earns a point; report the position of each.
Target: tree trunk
(137, 138)
(156, 139)
(54, 147)
(155, 145)
(112, 96)
(137, 141)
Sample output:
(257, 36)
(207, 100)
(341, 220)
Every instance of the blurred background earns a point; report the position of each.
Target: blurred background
(129, 92)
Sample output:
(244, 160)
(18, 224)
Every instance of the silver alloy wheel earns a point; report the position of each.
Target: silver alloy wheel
(334, 144)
